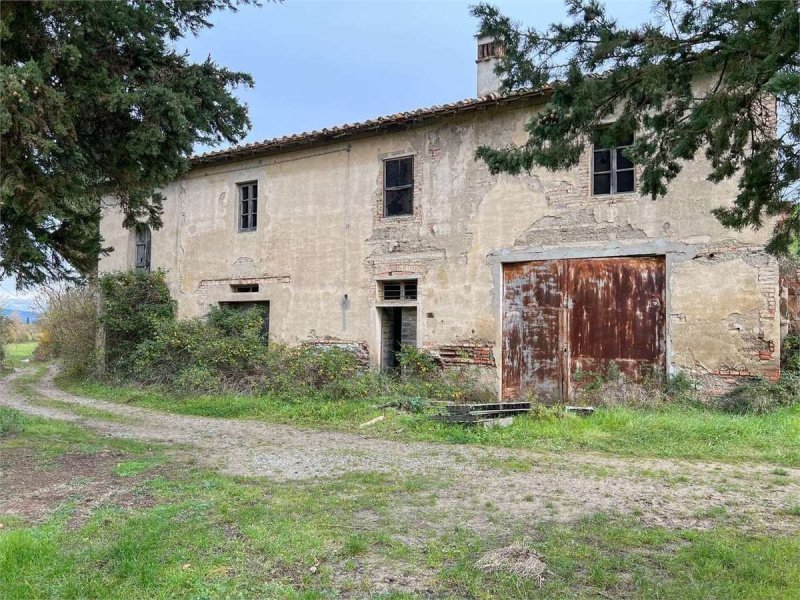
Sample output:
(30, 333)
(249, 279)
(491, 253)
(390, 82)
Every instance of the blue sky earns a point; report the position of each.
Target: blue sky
(319, 63)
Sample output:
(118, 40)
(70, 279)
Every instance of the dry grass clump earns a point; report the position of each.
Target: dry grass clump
(516, 559)
(610, 389)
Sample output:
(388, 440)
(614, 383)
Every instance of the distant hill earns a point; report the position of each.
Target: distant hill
(26, 316)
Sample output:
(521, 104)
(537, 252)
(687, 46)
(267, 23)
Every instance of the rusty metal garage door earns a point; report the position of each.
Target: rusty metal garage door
(565, 316)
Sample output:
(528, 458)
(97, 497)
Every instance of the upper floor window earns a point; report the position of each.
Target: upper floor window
(398, 186)
(248, 206)
(612, 172)
(143, 246)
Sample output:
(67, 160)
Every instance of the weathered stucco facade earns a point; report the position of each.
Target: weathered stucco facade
(323, 247)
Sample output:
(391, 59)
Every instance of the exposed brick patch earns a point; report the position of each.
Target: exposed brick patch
(468, 353)
(725, 372)
(567, 195)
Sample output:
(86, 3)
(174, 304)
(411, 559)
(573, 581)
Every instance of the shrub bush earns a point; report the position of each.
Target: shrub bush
(224, 350)
(68, 329)
(312, 367)
(610, 388)
(790, 354)
(197, 379)
(760, 396)
(135, 305)
(417, 363)
(18, 332)
(4, 330)
(422, 374)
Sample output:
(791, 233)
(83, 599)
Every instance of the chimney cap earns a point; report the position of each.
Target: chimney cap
(489, 48)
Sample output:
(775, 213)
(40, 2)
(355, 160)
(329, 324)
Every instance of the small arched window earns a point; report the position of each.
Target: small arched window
(143, 243)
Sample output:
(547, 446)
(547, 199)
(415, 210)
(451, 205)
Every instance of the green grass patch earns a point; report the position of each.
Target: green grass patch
(507, 464)
(50, 438)
(217, 537)
(212, 536)
(78, 409)
(16, 353)
(676, 432)
(131, 468)
(11, 422)
(613, 557)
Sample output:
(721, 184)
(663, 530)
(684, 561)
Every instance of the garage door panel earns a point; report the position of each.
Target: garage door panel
(532, 304)
(568, 317)
(616, 310)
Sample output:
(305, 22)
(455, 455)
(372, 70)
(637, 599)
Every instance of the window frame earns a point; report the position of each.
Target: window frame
(408, 290)
(245, 288)
(142, 236)
(613, 169)
(252, 211)
(407, 186)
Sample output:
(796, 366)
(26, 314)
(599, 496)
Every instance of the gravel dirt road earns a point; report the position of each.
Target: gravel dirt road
(560, 486)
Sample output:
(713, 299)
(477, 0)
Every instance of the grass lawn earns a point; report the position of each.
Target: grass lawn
(167, 529)
(16, 353)
(678, 432)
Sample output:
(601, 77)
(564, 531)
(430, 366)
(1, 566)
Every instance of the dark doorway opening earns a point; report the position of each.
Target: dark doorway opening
(262, 306)
(398, 329)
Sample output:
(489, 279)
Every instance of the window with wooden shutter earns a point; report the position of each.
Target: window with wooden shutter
(143, 247)
(248, 206)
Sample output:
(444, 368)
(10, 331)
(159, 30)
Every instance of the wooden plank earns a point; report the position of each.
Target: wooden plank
(465, 408)
(516, 411)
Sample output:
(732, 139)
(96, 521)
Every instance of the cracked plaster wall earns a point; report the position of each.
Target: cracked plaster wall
(322, 235)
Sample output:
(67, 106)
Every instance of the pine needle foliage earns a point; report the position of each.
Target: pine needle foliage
(703, 78)
(99, 104)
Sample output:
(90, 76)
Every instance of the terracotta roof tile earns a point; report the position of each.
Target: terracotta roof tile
(348, 130)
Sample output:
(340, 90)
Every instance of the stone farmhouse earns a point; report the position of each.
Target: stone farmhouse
(387, 232)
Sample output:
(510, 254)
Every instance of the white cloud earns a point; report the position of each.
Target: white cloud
(15, 300)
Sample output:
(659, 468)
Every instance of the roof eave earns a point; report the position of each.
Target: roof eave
(367, 128)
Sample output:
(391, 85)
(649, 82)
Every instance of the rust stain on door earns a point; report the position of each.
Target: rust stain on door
(533, 299)
(562, 317)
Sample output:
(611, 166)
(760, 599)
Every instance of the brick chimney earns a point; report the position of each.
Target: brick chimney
(489, 53)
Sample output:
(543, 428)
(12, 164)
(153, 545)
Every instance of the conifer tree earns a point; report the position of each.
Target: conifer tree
(97, 103)
(701, 78)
